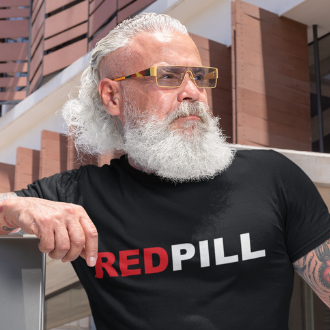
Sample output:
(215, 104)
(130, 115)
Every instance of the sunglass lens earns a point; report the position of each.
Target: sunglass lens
(170, 76)
(205, 77)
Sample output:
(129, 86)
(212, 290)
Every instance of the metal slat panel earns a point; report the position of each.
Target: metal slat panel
(102, 13)
(13, 82)
(275, 104)
(273, 30)
(66, 36)
(274, 90)
(278, 59)
(37, 58)
(123, 3)
(37, 24)
(275, 128)
(11, 96)
(14, 51)
(53, 154)
(52, 5)
(73, 161)
(34, 4)
(277, 116)
(14, 29)
(220, 99)
(36, 9)
(71, 155)
(7, 173)
(271, 86)
(27, 167)
(267, 16)
(94, 5)
(133, 8)
(233, 70)
(8, 13)
(252, 34)
(64, 56)
(102, 34)
(259, 137)
(13, 67)
(14, 3)
(35, 79)
(66, 19)
(255, 75)
(37, 40)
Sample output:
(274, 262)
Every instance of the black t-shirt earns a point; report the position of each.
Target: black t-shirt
(214, 254)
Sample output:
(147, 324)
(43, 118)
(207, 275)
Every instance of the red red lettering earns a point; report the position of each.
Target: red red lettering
(107, 265)
(148, 266)
(124, 262)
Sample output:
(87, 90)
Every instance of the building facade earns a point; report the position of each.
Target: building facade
(273, 92)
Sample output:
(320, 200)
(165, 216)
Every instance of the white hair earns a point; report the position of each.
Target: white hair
(196, 151)
(93, 128)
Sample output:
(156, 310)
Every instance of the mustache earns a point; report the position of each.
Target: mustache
(137, 119)
(186, 109)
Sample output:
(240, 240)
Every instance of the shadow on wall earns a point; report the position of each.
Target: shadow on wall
(271, 79)
(57, 154)
(216, 55)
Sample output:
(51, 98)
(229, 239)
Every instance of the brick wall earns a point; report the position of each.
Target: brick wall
(271, 93)
(57, 155)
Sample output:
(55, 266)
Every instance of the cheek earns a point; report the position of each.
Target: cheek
(166, 100)
(163, 101)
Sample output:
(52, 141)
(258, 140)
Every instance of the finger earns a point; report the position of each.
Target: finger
(77, 241)
(83, 253)
(62, 243)
(47, 241)
(91, 245)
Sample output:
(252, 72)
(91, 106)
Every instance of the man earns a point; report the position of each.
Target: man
(190, 235)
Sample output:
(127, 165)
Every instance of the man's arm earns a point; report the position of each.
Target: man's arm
(65, 230)
(5, 226)
(314, 268)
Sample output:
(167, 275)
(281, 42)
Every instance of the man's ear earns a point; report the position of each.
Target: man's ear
(110, 96)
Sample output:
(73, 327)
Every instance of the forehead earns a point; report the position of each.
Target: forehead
(150, 49)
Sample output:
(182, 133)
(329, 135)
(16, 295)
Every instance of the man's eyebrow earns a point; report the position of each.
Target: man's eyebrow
(197, 69)
(171, 69)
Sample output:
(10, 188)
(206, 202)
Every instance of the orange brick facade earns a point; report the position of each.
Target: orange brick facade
(57, 155)
(262, 96)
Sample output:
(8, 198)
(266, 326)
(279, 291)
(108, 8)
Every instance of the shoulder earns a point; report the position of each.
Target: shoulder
(267, 157)
(256, 159)
(95, 175)
(256, 154)
(269, 161)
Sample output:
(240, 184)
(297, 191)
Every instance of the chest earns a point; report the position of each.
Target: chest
(210, 232)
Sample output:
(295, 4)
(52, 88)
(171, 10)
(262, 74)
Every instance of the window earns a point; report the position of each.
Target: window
(324, 56)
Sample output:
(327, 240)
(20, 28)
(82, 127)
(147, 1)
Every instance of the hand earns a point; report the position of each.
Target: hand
(65, 230)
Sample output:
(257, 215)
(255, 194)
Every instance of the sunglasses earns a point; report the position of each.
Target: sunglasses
(172, 76)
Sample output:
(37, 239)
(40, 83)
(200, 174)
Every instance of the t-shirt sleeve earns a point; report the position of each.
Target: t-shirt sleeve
(307, 219)
(60, 187)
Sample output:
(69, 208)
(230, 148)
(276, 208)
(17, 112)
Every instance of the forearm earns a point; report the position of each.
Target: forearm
(314, 268)
(6, 224)
(65, 230)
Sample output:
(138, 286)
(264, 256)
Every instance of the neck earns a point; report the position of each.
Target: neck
(140, 168)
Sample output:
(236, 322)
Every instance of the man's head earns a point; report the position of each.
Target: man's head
(145, 50)
(169, 131)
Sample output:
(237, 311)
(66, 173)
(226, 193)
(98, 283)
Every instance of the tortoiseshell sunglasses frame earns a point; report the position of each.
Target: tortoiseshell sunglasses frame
(153, 72)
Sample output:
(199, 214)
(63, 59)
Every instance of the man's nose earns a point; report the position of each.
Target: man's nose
(188, 90)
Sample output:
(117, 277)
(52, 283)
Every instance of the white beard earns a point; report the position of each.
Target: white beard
(194, 152)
